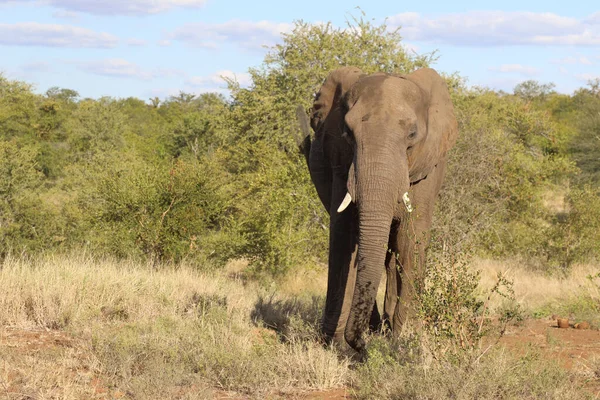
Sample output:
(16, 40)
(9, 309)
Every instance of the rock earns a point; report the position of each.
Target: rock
(582, 325)
(562, 323)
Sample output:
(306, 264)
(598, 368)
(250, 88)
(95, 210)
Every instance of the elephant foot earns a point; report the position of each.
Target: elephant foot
(355, 340)
(338, 341)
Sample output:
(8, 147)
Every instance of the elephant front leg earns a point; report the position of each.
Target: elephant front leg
(342, 274)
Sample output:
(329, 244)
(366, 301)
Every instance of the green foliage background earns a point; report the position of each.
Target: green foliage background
(208, 178)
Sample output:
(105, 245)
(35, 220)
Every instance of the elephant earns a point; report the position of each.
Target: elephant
(377, 161)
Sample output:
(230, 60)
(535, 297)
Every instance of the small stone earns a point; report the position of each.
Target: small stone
(582, 325)
(562, 323)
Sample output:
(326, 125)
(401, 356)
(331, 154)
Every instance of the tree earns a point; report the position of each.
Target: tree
(155, 101)
(531, 89)
(594, 85)
(67, 95)
(585, 146)
(293, 71)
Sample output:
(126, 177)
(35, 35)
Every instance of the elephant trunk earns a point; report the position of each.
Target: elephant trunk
(380, 186)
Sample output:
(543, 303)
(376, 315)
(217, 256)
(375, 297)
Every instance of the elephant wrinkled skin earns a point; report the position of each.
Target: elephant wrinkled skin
(377, 161)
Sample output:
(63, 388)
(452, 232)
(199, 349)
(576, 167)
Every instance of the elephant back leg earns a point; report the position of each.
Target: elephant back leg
(391, 283)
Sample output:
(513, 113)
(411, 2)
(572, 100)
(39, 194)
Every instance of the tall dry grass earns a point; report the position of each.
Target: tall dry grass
(151, 329)
(542, 293)
(176, 332)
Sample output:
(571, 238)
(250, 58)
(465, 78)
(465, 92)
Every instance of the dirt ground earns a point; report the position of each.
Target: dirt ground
(33, 362)
(573, 348)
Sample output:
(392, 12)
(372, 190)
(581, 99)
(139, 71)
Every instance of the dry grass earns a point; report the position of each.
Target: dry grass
(133, 331)
(535, 291)
(496, 375)
(175, 327)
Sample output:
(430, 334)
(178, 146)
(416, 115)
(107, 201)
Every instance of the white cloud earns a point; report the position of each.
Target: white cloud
(593, 19)
(217, 80)
(53, 35)
(164, 43)
(516, 68)
(563, 70)
(244, 33)
(117, 7)
(497, 28)
(116, 67)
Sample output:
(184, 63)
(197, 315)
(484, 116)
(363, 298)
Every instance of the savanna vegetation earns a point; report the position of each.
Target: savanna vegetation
(120, 220)
(209, 178)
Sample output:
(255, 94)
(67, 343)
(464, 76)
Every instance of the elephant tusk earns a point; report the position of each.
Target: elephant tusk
(345, 203)
(407, 204)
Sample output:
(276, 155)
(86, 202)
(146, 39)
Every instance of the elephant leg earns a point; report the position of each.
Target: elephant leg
(411, 242)
(342, 266)
(391, 285)
(411, 254)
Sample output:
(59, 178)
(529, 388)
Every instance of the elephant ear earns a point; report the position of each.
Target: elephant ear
(442, 128)
(327, 114)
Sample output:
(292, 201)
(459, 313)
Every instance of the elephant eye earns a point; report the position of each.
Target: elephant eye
(412, 134)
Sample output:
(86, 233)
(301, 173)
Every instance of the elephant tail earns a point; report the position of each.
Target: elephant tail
(303, 139)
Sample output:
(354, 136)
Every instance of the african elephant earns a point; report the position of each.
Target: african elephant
(377, 161)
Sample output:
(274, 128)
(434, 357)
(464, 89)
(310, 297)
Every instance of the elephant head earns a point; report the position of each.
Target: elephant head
(381, 133)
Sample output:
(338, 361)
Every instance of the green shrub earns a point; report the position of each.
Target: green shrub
(506, 159)
(159, 211)
(23, 218)
(575, 235)
(281, 221)
(99, 171)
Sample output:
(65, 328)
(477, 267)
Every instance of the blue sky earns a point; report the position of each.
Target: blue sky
(147, 48)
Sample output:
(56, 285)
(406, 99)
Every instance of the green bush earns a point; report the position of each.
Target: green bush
(281, 221)
(507, 158)
(99, 173)
(22, 219)
(575, 234)
(163, 212)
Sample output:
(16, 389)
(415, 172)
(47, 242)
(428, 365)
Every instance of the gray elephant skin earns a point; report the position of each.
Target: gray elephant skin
(377, 161)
